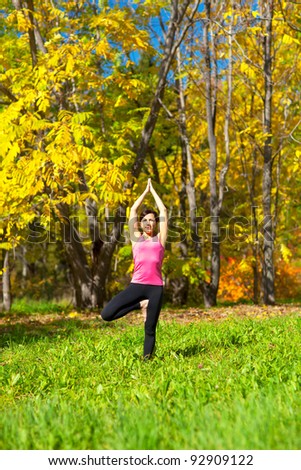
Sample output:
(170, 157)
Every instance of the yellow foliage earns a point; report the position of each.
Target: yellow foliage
(285, 252)
(287, 39)
(119, 26)
(23, 21)
(103, 49)
(247, 70)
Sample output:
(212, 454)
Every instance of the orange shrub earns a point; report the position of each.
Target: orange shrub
(236, 280)
(287, 280)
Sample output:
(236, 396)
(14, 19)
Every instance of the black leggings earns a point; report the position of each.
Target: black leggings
(129, 300)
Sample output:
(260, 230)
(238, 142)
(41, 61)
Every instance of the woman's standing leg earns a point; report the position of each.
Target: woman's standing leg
(155, 297)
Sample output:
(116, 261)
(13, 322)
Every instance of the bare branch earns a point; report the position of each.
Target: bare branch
(293, 27)
(7, 93)
(291, 133)
(224, 171)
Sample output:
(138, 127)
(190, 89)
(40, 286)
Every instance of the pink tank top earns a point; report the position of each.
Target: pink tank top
(148, 257)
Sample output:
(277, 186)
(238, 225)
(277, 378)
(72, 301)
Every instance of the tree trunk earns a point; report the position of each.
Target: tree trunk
(210, 288)
(6, 283)
(268, 235)
(187, 186)
(251, 182)
(77, 260)
(107, 251)
(24, 265)
(180, 286)
(179, 290)
(28, 7)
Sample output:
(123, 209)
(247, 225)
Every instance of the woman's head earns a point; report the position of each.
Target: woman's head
(148, 221)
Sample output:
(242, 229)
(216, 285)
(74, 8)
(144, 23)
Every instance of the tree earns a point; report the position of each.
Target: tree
(60, 146)
(7, 298)
(267, 72)
(216, 190)
(54, 156)
(268, 235)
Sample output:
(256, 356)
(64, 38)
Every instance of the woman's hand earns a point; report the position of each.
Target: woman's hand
(162, 214)
(134, 234)
(148, 188)
(150, 185)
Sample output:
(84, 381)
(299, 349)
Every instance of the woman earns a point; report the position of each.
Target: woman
(146, 288)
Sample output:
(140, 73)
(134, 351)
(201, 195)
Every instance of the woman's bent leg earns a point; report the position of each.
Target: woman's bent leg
(129, 300)
(123, 303)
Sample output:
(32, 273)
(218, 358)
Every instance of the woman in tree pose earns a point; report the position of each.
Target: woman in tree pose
(146, 288)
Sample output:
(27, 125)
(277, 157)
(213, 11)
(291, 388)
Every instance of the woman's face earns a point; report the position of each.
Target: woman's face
(148, 224)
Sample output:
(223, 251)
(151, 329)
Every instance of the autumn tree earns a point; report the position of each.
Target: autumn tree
(267, 71)
(268, 235)
(55, 155)
(64, 143)
(211, 33)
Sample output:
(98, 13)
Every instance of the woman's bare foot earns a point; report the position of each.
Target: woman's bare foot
(143, 305)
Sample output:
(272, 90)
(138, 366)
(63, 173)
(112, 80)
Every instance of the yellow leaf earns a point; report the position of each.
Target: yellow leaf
(73, 314)
(70, 64)
(287, 39)
(246, 69)
(285, 252)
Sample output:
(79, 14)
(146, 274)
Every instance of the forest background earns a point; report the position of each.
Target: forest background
(201, 96)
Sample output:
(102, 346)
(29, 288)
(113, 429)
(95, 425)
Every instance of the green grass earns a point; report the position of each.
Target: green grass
(29, 306)
(231, 384)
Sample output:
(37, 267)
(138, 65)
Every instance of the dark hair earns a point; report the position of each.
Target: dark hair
(149, 211)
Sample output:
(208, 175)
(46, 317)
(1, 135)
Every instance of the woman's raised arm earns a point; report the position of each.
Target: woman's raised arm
(134, 232)
(163, 223)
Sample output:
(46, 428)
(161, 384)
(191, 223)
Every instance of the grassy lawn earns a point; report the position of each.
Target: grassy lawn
(228, 378)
